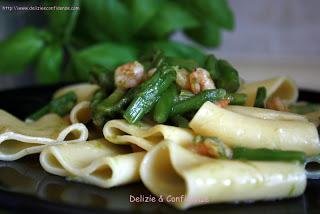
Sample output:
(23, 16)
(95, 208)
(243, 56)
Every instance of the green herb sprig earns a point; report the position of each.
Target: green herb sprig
(112, 32)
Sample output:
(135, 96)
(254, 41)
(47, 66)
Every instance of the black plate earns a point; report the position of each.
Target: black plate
(26, 187)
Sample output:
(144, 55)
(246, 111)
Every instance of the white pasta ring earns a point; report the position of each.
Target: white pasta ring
(84, 133)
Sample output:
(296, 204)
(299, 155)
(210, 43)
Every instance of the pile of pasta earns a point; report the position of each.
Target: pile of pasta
(157, 155)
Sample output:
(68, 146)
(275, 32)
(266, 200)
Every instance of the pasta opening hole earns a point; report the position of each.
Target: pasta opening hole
(75, 134)
(136, 148)
(10, 147)
(285, 91)
(53, 161)
(119, 132)
(94, 131)
(313, 167)
(103, 172)
(83, 115)
(156, 138)
(165, 176)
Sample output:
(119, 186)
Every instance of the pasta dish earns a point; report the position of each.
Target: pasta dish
(193, 133)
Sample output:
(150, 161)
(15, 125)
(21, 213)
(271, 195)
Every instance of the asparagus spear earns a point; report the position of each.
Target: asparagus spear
(61, 106)
(163, 107)
(149, 93)
(237, 98)
(223, 74)
(260, 97)
(195, 102)
(103, 77)
(228, 76)
(241, 153)
(180, 121)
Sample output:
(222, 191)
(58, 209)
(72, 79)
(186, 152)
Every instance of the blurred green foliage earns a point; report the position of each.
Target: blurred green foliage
(110, 32)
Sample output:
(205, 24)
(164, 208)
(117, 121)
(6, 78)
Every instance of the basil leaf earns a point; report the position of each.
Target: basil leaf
(49, 64)
(175, 49)
(210, 65)
(217, 11)
(142, 11)
(111, 17)
(228, 77)
(21, 49)
(62, 22)
(90, 22)
(207, 34)
(87, 32)
(169, 18)
(108, 55)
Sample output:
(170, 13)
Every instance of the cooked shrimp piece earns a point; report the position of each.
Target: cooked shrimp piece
(200, 80)
(223, 103)
(199, 148)
(183, 79)
(210, 147)
(276, 103)
(129, 75)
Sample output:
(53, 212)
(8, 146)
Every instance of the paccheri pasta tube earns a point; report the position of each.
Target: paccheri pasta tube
(18, 139)
(282, 87)
(186, 179)
(266, 113)
(95, 162)
(236, 129)
(80, 113)
(84, 91)
(143, 135)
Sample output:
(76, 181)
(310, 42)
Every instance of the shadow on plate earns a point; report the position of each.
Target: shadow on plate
(27, 177)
